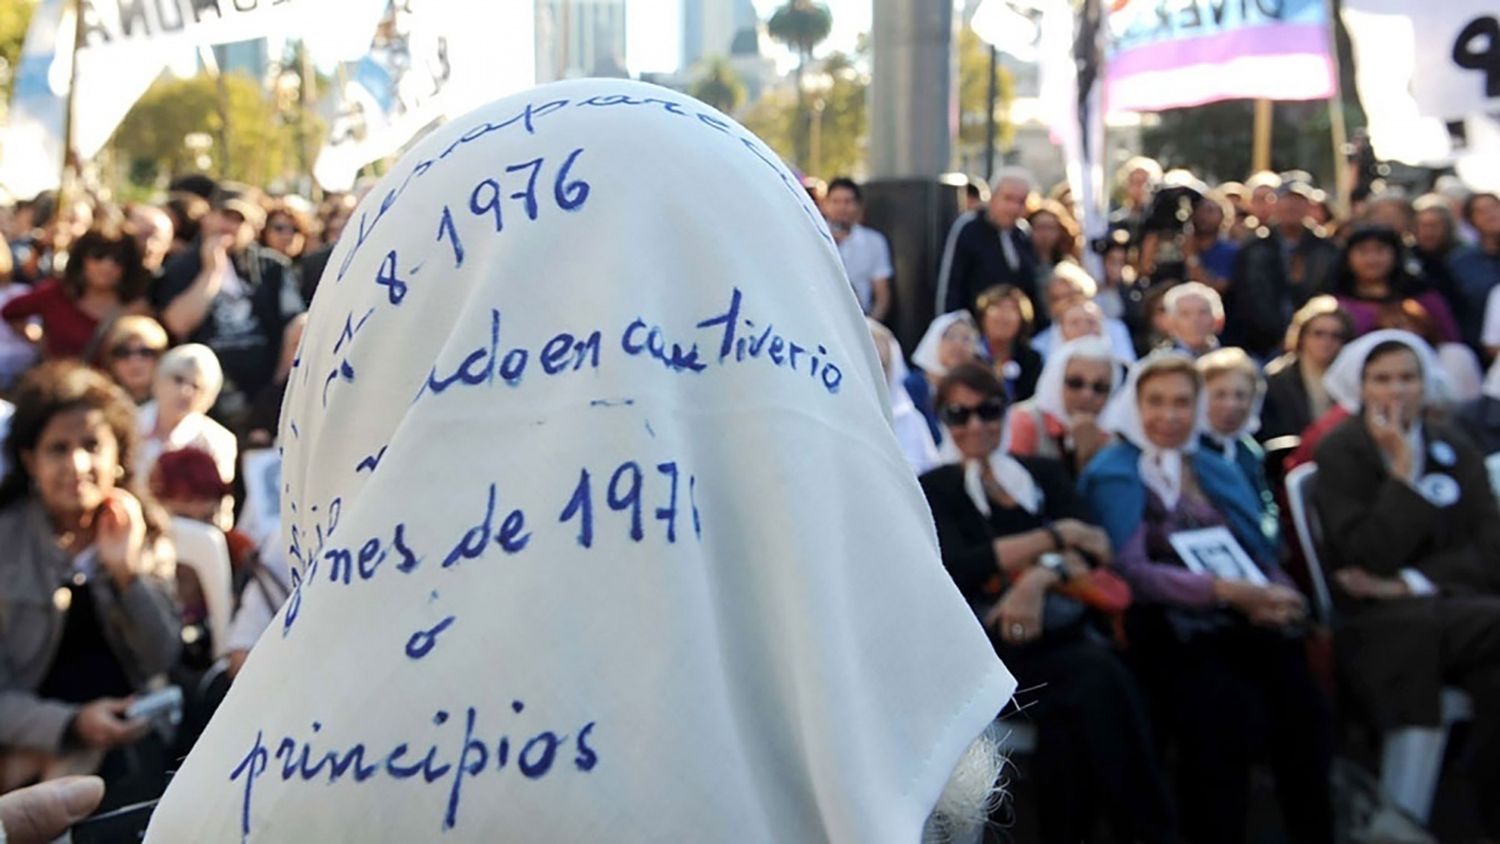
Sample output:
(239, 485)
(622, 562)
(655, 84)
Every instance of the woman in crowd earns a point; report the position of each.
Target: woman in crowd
(87, 618)
(1194, 316)
(917, 445)
(1412, 532)
(1372, 280)
(187, 382)
(285, 231)
(1012, 533)
(1054, 234)
(1480, 418)
(1210, 254)
(104, 279)
(130, 350)
(1220, 655)
(1295, 395)
(950, 340)
(1062, 421)
(1234, 393)
(1007, 320)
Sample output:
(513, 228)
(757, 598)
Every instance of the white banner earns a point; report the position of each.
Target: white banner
(429, 60)
(1413, 74)
(31, 146)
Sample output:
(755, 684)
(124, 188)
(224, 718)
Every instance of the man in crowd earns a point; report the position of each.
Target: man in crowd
(865, 252)
(993, 248)
(232, 296)
(1283, 264)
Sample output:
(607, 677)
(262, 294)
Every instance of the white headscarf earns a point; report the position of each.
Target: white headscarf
(1160, 468)
(910, 426)
(1227, 442)
(1491, 386)
(928, 355)
(1345, 376)
(722, 606)
(1049, 385)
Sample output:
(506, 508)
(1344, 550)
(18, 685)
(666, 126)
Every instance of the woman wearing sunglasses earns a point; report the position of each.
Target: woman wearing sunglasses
(187, 382)
(103, 280)
(1061, 422)
(1013, 534)
(129, 353)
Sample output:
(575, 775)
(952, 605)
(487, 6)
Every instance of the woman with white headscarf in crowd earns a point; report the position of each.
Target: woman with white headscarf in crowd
(188, 379)
(1234, 392)
(1412, 533)
(950, 340)
(1061, 422)
(1015, 538)
(1215, 639)
(619, 538)
(911, 428)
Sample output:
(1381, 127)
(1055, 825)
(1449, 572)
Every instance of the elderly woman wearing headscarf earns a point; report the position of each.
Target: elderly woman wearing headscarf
(1014, 534)
(1412, 532)
(1233, 394)
(950, 340)
(1061, 422)
(1480, 418)
(916, 441)
(1215, 641)
(604, 542)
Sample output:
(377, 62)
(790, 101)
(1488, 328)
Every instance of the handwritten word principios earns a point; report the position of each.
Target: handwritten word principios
(447, 760)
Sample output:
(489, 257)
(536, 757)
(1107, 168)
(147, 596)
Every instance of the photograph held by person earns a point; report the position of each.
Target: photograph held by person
(1221, 658)
(1295, 395)
(1006, 319)
(1012, 533)
(1061, 422)
(104, 279)
(1412, 534)
(86, 598)
(129, 353)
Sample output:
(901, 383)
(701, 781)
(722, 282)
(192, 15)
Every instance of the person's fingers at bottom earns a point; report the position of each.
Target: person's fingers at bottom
(42, 812)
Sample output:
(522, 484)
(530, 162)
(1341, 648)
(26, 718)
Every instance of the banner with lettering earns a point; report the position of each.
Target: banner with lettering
(1429, 81)
(1175, 53)
(125, 45)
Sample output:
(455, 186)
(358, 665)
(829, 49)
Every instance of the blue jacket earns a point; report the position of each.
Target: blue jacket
(1250, 458)
(1112, 486)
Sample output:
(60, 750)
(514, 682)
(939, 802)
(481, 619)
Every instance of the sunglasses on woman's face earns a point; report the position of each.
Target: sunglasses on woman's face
(127, 352)
(957, 415)
(1100, 388)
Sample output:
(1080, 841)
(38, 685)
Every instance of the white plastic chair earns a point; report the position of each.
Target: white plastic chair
(202, 548)
(1411, 758)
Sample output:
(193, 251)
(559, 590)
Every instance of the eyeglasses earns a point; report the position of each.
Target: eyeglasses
(1100, 388)
(957, 416)
(127, 352)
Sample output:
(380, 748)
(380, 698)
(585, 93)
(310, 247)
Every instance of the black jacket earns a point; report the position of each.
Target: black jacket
(978, 263)
(1270, 282)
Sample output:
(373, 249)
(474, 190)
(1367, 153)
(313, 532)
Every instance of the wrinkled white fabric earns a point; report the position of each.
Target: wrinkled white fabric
(1161, 468)
(671, 584)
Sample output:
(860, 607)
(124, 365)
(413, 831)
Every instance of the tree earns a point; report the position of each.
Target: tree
(778, 119)
(801, 25)
(719, 86)
(15, 17)
(974, 94)
(149, 142)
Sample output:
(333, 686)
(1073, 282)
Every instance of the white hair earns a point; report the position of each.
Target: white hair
(1194, 288)
(1075, 276)
(194, 357)
(971, 794)
(1013, 174)
(1140, 162)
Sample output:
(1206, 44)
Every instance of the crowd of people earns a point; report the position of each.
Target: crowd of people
(144, 352)
(1103, 429)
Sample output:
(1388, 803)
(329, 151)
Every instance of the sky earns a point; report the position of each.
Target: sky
(654, 42)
